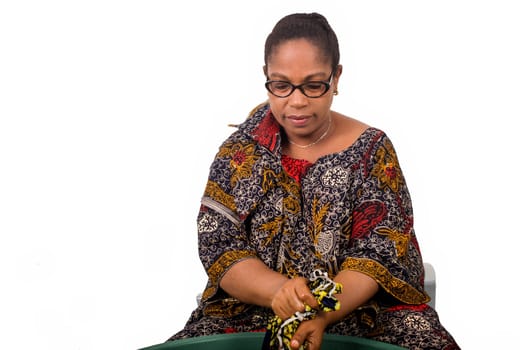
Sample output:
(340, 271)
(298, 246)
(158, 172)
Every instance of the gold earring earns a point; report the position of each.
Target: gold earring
(335, 92)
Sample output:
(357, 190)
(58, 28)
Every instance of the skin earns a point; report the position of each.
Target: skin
(303, 120)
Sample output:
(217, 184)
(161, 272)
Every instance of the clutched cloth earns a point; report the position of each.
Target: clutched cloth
(280, 332)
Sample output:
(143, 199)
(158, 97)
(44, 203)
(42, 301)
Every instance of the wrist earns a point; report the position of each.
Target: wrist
(327, 318)
(274, 288)
(321, 321)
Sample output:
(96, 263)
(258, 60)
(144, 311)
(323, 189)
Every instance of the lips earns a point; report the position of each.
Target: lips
(298, 120)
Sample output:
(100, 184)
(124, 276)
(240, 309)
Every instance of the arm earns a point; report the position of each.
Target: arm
(252, 282)
(357, 288)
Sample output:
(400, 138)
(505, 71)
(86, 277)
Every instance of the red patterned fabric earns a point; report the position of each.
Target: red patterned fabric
(296, 168)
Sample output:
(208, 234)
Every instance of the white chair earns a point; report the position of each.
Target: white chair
(430, 283)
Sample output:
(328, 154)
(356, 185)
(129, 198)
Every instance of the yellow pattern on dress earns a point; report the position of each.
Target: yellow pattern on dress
(401, 239)
(318, 214)
(273, 228)
(387, 168)
(213, 190)
(221, 265)
(242, 157)
(401, 290)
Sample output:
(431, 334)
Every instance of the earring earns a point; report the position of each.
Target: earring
(335, 92)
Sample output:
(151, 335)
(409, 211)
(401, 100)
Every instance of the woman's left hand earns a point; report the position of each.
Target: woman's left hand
(309, 334)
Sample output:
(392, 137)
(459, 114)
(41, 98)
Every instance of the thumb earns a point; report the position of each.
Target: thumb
(309, 335)
(299, 339)
(296, 342)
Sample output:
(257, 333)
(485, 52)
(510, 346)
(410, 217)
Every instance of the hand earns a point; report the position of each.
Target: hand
(291, 297)
(309, 334)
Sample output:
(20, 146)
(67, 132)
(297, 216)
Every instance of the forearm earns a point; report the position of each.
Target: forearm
(252, 282)
(357, 288)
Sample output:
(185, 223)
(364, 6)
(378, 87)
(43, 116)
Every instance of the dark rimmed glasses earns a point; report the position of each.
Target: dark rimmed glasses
(312, 89)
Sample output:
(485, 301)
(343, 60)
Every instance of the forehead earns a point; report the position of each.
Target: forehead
(297, 54)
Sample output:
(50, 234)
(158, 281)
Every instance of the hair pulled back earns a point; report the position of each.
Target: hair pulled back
(310, 26)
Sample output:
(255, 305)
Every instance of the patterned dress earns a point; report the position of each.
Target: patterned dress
(349, 210)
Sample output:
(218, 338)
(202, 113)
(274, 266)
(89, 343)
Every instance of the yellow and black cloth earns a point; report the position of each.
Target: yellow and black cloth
(280, 332)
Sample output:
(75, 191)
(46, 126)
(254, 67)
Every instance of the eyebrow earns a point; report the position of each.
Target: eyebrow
(308, 77)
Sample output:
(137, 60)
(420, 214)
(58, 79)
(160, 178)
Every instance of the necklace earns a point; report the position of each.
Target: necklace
(315, 142)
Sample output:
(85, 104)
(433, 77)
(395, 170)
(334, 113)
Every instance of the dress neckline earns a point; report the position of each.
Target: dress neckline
(334, 154)
(297, 167)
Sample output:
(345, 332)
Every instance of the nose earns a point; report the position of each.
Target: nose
(297, 99)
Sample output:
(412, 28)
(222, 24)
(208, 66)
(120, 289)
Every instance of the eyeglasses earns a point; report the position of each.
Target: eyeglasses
(312, 89)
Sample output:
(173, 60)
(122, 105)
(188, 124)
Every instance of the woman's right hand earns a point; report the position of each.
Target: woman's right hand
(292, 296)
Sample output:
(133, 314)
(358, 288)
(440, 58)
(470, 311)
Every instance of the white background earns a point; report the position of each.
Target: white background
(111, 112)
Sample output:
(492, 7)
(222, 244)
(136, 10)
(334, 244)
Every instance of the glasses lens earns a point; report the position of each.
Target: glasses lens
(311, 89)
(315, 88)
(279, 88)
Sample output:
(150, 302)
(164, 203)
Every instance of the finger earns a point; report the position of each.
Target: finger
(309, 334)
(307, 298)
(285, 309)
(294, 301)
(302, 340)
(307, 344)
(300, 336)
(292, 297)
(296, 343)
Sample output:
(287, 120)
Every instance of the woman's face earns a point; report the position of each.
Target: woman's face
(298, 61)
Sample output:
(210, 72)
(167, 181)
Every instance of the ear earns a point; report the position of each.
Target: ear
(338, 71)
(336, 77)
(264, 68)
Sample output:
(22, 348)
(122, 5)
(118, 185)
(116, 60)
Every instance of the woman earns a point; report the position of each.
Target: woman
(298, 188)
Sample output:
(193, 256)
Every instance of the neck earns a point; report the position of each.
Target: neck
(324, 134)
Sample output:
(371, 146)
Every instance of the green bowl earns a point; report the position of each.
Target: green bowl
(253, 341)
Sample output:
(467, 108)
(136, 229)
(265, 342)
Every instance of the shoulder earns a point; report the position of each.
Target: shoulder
(349, 130)
(251, 122)
(348, 124)
(361, 138)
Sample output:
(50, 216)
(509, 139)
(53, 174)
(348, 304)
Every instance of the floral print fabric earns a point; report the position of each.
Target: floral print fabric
(349, 210)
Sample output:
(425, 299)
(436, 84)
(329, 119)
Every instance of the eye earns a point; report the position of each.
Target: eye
(314, 86)
(280, 86)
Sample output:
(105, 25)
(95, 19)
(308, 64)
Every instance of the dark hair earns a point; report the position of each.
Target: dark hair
(310, 26)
